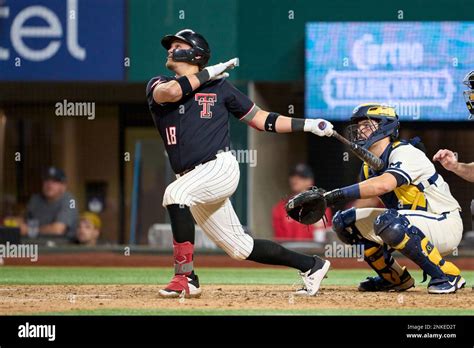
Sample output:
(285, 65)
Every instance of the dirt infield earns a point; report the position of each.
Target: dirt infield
(30, 299)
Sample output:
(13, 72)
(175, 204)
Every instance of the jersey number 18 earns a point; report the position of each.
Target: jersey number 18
(171, 135)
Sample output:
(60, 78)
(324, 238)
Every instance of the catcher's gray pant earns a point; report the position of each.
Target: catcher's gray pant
(206, 190)
(444, 231)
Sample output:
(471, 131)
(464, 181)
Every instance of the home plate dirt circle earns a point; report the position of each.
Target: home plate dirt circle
(31, 299)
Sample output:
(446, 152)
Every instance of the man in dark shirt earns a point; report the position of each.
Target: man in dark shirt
(191, 112)
(54, 210)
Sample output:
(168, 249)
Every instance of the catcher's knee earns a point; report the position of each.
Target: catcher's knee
(391, 227)
(343, 224)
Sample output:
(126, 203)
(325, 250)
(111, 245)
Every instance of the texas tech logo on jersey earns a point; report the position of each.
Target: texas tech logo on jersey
(206, 100)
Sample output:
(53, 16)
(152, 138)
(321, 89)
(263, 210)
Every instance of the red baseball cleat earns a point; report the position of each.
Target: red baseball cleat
(182, 284)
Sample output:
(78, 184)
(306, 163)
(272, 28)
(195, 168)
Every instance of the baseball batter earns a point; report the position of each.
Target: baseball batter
(422, 219)
(191, 112)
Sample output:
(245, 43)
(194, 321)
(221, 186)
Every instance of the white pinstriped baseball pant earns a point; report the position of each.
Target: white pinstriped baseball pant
(206, 190)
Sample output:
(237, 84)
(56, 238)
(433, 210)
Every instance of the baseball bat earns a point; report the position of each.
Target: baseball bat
(365, 155)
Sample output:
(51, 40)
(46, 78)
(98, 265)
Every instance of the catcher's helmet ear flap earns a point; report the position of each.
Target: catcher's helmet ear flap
(199, 53)
(388, 124)
(469, 93)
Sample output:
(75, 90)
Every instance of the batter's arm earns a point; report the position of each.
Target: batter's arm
(450, 162)
(170, 92)
(173, 91)
(273, 122)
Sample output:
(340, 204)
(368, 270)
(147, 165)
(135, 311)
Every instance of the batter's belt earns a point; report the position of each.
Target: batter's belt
(192, 168)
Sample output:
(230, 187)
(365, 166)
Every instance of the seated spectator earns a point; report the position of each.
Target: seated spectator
(88, 231)
(286, 229)
(52, 212)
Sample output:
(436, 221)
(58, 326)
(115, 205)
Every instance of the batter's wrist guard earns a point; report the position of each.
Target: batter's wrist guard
(297, 124)
(203, 76)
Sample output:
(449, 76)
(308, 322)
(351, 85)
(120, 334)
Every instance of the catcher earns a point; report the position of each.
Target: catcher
(422, 219)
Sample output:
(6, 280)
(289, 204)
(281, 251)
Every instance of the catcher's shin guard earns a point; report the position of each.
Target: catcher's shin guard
(396, 231)
(392, 276)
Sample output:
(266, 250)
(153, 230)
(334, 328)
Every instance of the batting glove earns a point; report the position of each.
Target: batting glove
(319, 127)
(219, 71)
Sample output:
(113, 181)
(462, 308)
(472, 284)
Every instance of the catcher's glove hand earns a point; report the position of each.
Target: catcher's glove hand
(307, 207)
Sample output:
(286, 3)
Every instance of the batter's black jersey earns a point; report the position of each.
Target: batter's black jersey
(196, 128)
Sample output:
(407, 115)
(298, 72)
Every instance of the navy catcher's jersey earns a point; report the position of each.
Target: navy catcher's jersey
(196, 128)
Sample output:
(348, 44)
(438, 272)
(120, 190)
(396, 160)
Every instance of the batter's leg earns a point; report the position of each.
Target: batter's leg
(221, 224)
(185, 281)
(207, 183)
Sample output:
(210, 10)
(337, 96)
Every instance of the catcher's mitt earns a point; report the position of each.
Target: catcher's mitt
(307, 207)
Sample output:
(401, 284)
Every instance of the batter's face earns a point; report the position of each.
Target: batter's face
(176, 45)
